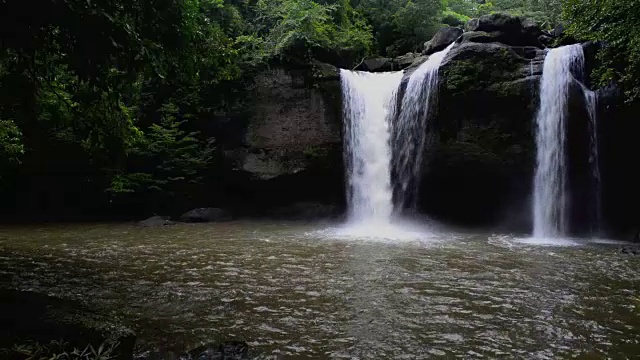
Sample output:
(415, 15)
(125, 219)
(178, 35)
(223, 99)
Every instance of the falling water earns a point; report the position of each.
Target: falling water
(591, 100)
(410, 130)
(550, 200)
(367, 102)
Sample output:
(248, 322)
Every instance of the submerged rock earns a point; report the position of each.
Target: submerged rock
(156, 221)
(232, 350)
(206, 215)
(630, 250)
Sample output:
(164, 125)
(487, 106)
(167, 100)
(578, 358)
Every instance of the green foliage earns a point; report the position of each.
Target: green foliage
(544, 12)
(11, 147)
(298, 28)
(169, 156)
(59, 350)
(617, 25)
(400, 26)
(452, 18)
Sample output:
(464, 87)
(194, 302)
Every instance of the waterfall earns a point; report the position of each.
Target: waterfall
(591, 100)
(367, 102)
(410, 130)
(550, 199)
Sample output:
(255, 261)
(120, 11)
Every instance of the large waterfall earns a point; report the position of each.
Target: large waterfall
(367, 100)
(550, 198)
(410, 130)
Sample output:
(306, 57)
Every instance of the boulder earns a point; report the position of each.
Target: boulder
(404, 61)
(377, 64)
(443, 38)
(495, 22)
(325, 72)
(507, 29)
(156, 221)
(545, 40)
(206, 215)
(558, 31)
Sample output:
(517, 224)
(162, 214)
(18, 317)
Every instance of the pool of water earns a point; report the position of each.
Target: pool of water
(320, 290)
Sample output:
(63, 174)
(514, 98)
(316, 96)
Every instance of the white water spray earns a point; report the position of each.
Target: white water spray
(410, 131)
(550, 199)
(367, 101)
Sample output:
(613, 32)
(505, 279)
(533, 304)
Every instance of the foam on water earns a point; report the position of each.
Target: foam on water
(393, 231)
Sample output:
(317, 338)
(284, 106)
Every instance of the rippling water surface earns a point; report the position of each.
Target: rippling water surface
(308, 290)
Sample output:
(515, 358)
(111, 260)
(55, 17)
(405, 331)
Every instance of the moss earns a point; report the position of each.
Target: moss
(480, 72)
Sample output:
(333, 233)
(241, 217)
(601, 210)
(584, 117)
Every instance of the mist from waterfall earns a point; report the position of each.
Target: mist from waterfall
(550, 181)
(367, 100)
(410, 129)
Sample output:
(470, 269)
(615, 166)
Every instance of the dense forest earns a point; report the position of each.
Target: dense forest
(118, 98)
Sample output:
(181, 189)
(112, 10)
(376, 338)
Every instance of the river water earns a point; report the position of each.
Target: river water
(313, 290)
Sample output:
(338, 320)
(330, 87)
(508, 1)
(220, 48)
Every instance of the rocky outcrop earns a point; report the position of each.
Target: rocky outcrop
(380, 64)
(480, 159)
(284, 145)
(443, 38)
(206, 215)
(506, 29)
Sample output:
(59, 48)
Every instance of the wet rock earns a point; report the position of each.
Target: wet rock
(156, 221)
(377, 64)
(325, 72)
(404, 61)
(558, 31)
(480, 156)
(206, 215)
(630, 250)
(226, 351)
(545, 40)
(443, 38)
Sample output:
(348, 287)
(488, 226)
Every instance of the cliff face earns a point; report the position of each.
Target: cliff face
(480, 156)
(289, 146)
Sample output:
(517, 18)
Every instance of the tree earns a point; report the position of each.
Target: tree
(617, 25)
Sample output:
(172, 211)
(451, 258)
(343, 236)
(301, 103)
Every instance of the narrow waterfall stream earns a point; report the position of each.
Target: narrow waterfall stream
(550, 197)
(591, 100)
(410, 130)
(367, 102)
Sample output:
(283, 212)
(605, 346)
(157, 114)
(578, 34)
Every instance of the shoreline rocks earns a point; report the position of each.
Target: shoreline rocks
(206, 215)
